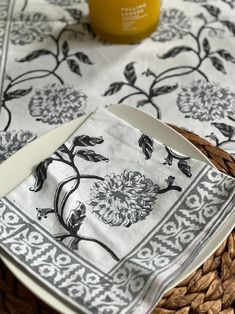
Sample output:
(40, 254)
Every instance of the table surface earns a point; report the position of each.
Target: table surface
(54, 69)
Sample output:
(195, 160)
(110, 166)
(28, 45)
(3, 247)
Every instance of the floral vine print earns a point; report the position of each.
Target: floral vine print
(149, 96)
(146, 143)
(173, 25)
(182, 161)
(206, 101)
(28, 27)
(231, 3)
(57, 103)
(12, 141)
(227, 130)
(35, 27)
(116, 200)
(193, 100)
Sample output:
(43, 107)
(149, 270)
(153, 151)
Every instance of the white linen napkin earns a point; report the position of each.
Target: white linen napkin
(113, 216)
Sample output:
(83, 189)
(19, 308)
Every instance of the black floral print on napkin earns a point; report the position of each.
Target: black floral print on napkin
(115, 199)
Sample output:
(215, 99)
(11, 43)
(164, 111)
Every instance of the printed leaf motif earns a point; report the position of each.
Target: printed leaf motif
(74, 66)
(130, 74)
(231, 118)
(225, 129)
(18, 93)
(162, 90)
(114, 88)
(146, 143)
(168, 160)
(34, 55)
(63, 149)
(75, 14)
(212, 10)
(174, 52)
(90, 155)
(230, 26)
(87, 27)
(8, 77)
(76, 218)
(185, 168)
(206, 46)
(148, 73)
(81, 56)
(142, 103)
(40, 174)
(202, 17)
(170, 181)
(226, 55)
(85, 140)
(74, 244)
(181, 161)
(43, 212)
(213, 137)
(65, 48)
(218, 64)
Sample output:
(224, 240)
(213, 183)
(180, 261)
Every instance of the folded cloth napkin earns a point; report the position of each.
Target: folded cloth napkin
(113, 216)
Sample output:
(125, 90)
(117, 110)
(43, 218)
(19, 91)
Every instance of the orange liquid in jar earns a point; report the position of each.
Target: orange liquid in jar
(124, 21)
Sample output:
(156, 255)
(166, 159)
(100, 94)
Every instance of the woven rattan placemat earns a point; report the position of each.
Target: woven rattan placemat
(210, 289)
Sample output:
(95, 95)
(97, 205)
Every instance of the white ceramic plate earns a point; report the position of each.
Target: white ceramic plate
(13, 171)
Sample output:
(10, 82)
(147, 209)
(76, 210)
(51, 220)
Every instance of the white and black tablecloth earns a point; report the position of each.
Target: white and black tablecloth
(54, 69)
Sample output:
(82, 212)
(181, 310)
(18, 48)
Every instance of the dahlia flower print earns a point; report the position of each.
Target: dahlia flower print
(12, 141)
(28, 27)
(174, 24)
(57, 103)
(123, 199)
(64, 3)
(206, 101)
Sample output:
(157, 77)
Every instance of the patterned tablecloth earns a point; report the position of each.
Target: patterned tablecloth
(54, 69)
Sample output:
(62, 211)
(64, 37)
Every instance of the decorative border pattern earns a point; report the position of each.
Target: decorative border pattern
(65, 273)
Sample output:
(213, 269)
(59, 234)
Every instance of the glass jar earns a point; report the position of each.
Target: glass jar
(124, 21)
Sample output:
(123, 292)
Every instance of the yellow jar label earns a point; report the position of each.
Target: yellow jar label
(131, 14)
(124, 21)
